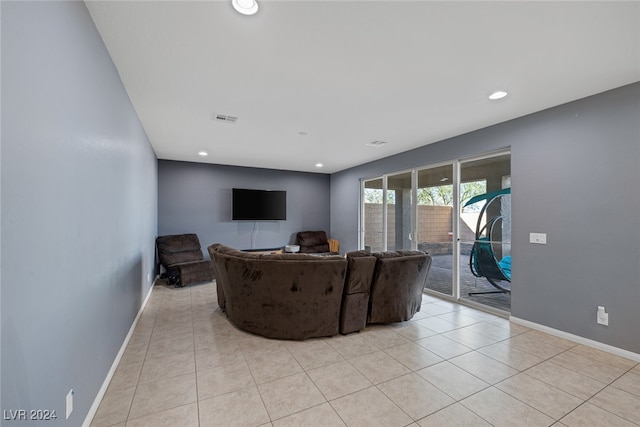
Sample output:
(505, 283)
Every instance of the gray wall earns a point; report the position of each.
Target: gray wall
(575, 177)
(196, 198)
(79, 210)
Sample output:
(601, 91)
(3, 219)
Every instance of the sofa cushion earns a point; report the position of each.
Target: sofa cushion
(179, 242)
(195, 271)
(353, 317)
(173, 258)
(360, 265)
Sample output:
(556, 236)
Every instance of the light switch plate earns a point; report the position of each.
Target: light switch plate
(539, 238)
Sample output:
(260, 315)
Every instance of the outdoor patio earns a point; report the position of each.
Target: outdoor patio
(439, 279)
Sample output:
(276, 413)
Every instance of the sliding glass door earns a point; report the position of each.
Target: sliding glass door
(485, 231)
(387, 222)
(372, 219)
(458, 212)
(435, 212)
(400, 229)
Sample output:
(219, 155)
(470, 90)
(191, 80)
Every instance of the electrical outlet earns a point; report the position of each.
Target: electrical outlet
(602, 317)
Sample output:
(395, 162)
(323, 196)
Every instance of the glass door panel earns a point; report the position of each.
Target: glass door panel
(485, 231)
(435, 225)
(399, 212)
(372, 215)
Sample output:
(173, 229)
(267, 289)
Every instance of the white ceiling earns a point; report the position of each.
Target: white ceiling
(347, 73)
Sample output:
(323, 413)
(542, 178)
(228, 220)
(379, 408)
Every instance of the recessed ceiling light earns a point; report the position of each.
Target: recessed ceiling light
(319, 165)
(245, 7)
(203, 153)
(499, 94)
(376, 143)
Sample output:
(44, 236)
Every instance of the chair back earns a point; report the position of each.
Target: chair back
(178, 248)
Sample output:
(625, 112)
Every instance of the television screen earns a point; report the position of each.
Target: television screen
(259, 205)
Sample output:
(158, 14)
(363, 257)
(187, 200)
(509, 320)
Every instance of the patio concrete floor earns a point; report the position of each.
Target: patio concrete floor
(439, 279)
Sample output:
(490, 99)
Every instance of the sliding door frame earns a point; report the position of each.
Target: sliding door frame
(456, 165)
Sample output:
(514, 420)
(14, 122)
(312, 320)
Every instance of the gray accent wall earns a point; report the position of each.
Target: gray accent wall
(196, 198)
(79, 210)
(575, 177)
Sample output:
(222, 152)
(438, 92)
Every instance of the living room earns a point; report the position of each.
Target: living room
(84, 195)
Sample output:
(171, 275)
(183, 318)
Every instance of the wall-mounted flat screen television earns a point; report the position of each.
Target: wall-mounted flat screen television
(258, 205)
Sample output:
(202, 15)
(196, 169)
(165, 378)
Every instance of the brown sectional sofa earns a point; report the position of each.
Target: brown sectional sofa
(288, 296)
(299, 296)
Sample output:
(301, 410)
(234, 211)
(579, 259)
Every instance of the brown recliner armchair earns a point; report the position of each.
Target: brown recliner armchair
(316, 242)
(396, 288)
(182, 258)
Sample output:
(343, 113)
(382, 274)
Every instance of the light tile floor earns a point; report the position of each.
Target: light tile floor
(452, 365)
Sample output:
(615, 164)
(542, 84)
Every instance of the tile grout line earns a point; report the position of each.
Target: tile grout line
(146, 352)
(458, 327)
(195, 359)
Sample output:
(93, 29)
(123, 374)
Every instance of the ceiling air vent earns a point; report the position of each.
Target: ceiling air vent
(224, 118)
(376, 143)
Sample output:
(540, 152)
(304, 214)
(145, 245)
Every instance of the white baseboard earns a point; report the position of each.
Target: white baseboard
(112, 371)
(578, 339)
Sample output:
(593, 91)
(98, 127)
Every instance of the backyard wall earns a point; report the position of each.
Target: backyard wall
(434, 225)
